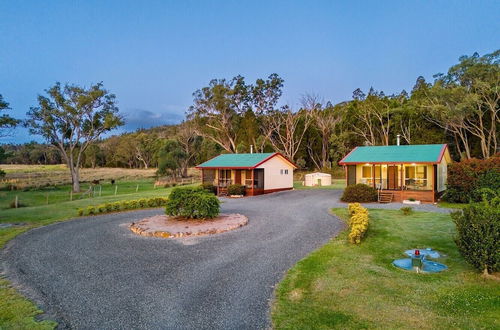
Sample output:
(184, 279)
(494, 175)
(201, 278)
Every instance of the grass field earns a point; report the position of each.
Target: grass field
(336, 184)
(16, 312)
(38, 176)
(352, 287)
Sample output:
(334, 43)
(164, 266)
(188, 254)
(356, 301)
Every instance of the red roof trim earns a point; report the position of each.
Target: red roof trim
(224, 168)
(382, 163)
(274, 155)
(350, 152)
(441, 154)
(244, 168)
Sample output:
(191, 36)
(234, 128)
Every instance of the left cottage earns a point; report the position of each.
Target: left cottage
(260, 173)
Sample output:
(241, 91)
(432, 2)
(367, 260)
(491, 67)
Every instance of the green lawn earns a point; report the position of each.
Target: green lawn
(58, 194)
(452, 205)
(336, 184)
(346, 286)
(16, 312)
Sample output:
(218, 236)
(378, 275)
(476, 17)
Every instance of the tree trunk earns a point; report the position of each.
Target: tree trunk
(75, 178)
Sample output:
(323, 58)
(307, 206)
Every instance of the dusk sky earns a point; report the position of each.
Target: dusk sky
(154, 54)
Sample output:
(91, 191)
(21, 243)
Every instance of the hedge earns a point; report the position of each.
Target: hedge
(236, 189)
(123, 206)
(478, 234)
(209, 187)
(358, 222)
(465, 178)
(359, 193)
(192, 203)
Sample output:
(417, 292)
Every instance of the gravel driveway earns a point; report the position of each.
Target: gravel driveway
(94, 273)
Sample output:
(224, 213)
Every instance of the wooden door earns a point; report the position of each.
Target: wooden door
(237, 177)
(392, 177)
(351, 175)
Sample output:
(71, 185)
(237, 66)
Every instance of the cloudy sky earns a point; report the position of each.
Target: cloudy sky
(154, 54)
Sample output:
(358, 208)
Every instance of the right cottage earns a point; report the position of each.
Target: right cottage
(400, 172)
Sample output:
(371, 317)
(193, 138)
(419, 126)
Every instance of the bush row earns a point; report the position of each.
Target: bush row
(123, 206)
(192, 203)
(358, 222)
(359, 193)
(468, 177)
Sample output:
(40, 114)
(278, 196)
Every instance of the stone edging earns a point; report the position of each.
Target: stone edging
(166, 227)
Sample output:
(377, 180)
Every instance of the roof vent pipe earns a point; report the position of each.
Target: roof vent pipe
(251, 149)
(398, 139)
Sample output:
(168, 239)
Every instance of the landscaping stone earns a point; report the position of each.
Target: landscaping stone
(170, 227)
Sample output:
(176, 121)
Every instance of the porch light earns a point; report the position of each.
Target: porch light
(413, 164)
(367, 164)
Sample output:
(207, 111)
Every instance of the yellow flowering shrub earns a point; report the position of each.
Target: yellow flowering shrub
(358, 222)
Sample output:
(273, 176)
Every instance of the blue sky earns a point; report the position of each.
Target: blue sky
(154, 54)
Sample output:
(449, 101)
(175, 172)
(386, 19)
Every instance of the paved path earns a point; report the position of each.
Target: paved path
(94, 273)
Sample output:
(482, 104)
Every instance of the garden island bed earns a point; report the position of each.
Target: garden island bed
(173, 227)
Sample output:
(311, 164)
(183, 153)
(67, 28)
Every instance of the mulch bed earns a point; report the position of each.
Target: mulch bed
(170, 227)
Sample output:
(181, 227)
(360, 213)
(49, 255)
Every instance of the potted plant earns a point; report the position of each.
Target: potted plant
(411, 201)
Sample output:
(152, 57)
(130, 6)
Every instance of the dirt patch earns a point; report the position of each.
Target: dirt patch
(169, 227)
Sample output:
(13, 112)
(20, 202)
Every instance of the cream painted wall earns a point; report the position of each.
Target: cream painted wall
(443, 171)
(273, 179)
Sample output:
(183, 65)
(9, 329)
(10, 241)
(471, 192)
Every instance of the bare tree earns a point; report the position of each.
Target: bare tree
(186, 136)
(286, 130)
(326, 120)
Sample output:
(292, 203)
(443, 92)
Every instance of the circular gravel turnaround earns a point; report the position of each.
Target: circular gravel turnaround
(94, 273)
(168, 227)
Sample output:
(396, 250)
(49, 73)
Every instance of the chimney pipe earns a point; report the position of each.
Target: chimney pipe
(398, 139)
(251, 149)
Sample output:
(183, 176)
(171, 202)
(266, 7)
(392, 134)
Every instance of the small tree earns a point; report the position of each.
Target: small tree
(71, 118)
(171, 159)
(6, 123)
(192, 203)
(478, 234)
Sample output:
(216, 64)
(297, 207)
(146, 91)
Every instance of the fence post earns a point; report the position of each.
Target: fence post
(100, 190)
(47, 198)
(116, 189)
(71, 195)
(16, 203)
(137, 188)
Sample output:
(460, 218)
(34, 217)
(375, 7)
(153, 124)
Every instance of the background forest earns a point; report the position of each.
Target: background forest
(235, 116)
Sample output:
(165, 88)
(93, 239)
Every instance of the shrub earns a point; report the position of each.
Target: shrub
(467, 176)
(478, 234)
(407, 210)
(133, 204)
(108, 207)
(80, 212)
(192, 203)
(236, 189)
(142, 202)
(485, 194)
(117, 206)
(358, 222)
(90, 210)
(209, 187)
(359, 193)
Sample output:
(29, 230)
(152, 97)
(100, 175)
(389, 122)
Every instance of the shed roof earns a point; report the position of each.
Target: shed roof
(417, 153)
(318, 174)
(243, 161)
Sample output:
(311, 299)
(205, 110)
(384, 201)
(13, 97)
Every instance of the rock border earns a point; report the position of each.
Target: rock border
(164, 226)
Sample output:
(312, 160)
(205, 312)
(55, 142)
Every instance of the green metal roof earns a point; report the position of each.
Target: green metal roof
(418, 153)
(236, 160)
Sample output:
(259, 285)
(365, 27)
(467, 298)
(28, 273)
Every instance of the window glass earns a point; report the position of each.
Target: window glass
(366, 171)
